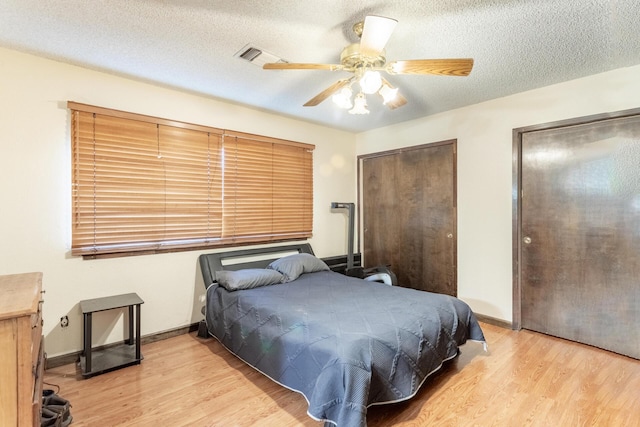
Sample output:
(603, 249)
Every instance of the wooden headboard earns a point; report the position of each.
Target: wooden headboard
(245, 258)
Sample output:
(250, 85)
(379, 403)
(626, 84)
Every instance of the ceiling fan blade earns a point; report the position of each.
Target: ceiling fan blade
(375, 34)
(444, 67)
(298, 66)
(327, 92)
(396, 102)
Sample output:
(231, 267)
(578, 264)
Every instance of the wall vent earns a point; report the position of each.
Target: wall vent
(257, 56)
(250, 54)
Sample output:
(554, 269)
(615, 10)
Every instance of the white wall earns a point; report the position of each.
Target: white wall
(35, 171)
(484, 134)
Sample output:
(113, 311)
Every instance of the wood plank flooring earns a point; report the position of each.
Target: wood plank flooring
(525, 379)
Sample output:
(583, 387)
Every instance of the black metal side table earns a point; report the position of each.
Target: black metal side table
(94, 362)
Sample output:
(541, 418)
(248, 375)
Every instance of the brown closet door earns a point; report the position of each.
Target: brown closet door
(409, 216)
(580, 254)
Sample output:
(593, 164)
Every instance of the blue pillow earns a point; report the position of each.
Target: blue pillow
(248, 278)
(293, 266)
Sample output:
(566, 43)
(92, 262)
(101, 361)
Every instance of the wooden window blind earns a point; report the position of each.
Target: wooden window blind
(267, 192)
(144, 184)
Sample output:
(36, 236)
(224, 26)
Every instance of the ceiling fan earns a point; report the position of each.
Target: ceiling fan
(366, 60)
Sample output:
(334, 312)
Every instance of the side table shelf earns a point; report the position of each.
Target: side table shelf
(95, 362)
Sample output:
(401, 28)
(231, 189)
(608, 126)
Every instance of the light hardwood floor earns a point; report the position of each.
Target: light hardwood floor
(525, 379)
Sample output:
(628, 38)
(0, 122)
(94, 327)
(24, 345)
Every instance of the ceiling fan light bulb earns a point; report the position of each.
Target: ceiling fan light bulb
(359, 105)
(388, 94)
(344, 104)
(371, 82)
(343, 98)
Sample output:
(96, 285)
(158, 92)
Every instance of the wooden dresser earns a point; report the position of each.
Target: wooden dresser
(21, 349)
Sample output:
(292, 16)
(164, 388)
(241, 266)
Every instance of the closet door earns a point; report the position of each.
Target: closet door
(580, 249)
(409, 215)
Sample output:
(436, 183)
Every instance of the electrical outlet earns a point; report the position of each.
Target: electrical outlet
(64, 321)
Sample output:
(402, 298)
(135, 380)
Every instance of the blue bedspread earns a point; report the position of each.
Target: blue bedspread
(344, 343)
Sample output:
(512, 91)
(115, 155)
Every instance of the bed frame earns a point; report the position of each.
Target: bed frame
(245, 258)
(262, 257)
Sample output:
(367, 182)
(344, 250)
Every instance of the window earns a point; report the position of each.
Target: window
(144, 184)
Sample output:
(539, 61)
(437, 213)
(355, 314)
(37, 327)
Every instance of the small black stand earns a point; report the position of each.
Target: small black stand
(114, 357)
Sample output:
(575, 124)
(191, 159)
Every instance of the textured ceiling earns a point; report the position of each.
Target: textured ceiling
(517, 45)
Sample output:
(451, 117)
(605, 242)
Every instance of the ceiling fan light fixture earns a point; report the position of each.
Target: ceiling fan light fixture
(343, 98)
(359, 105)
(388, 94)
(371, 82)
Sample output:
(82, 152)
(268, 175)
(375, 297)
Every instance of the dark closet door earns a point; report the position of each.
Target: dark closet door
(580, 249)
(409, 215)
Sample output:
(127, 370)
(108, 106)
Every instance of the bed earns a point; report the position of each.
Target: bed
(344, 343)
